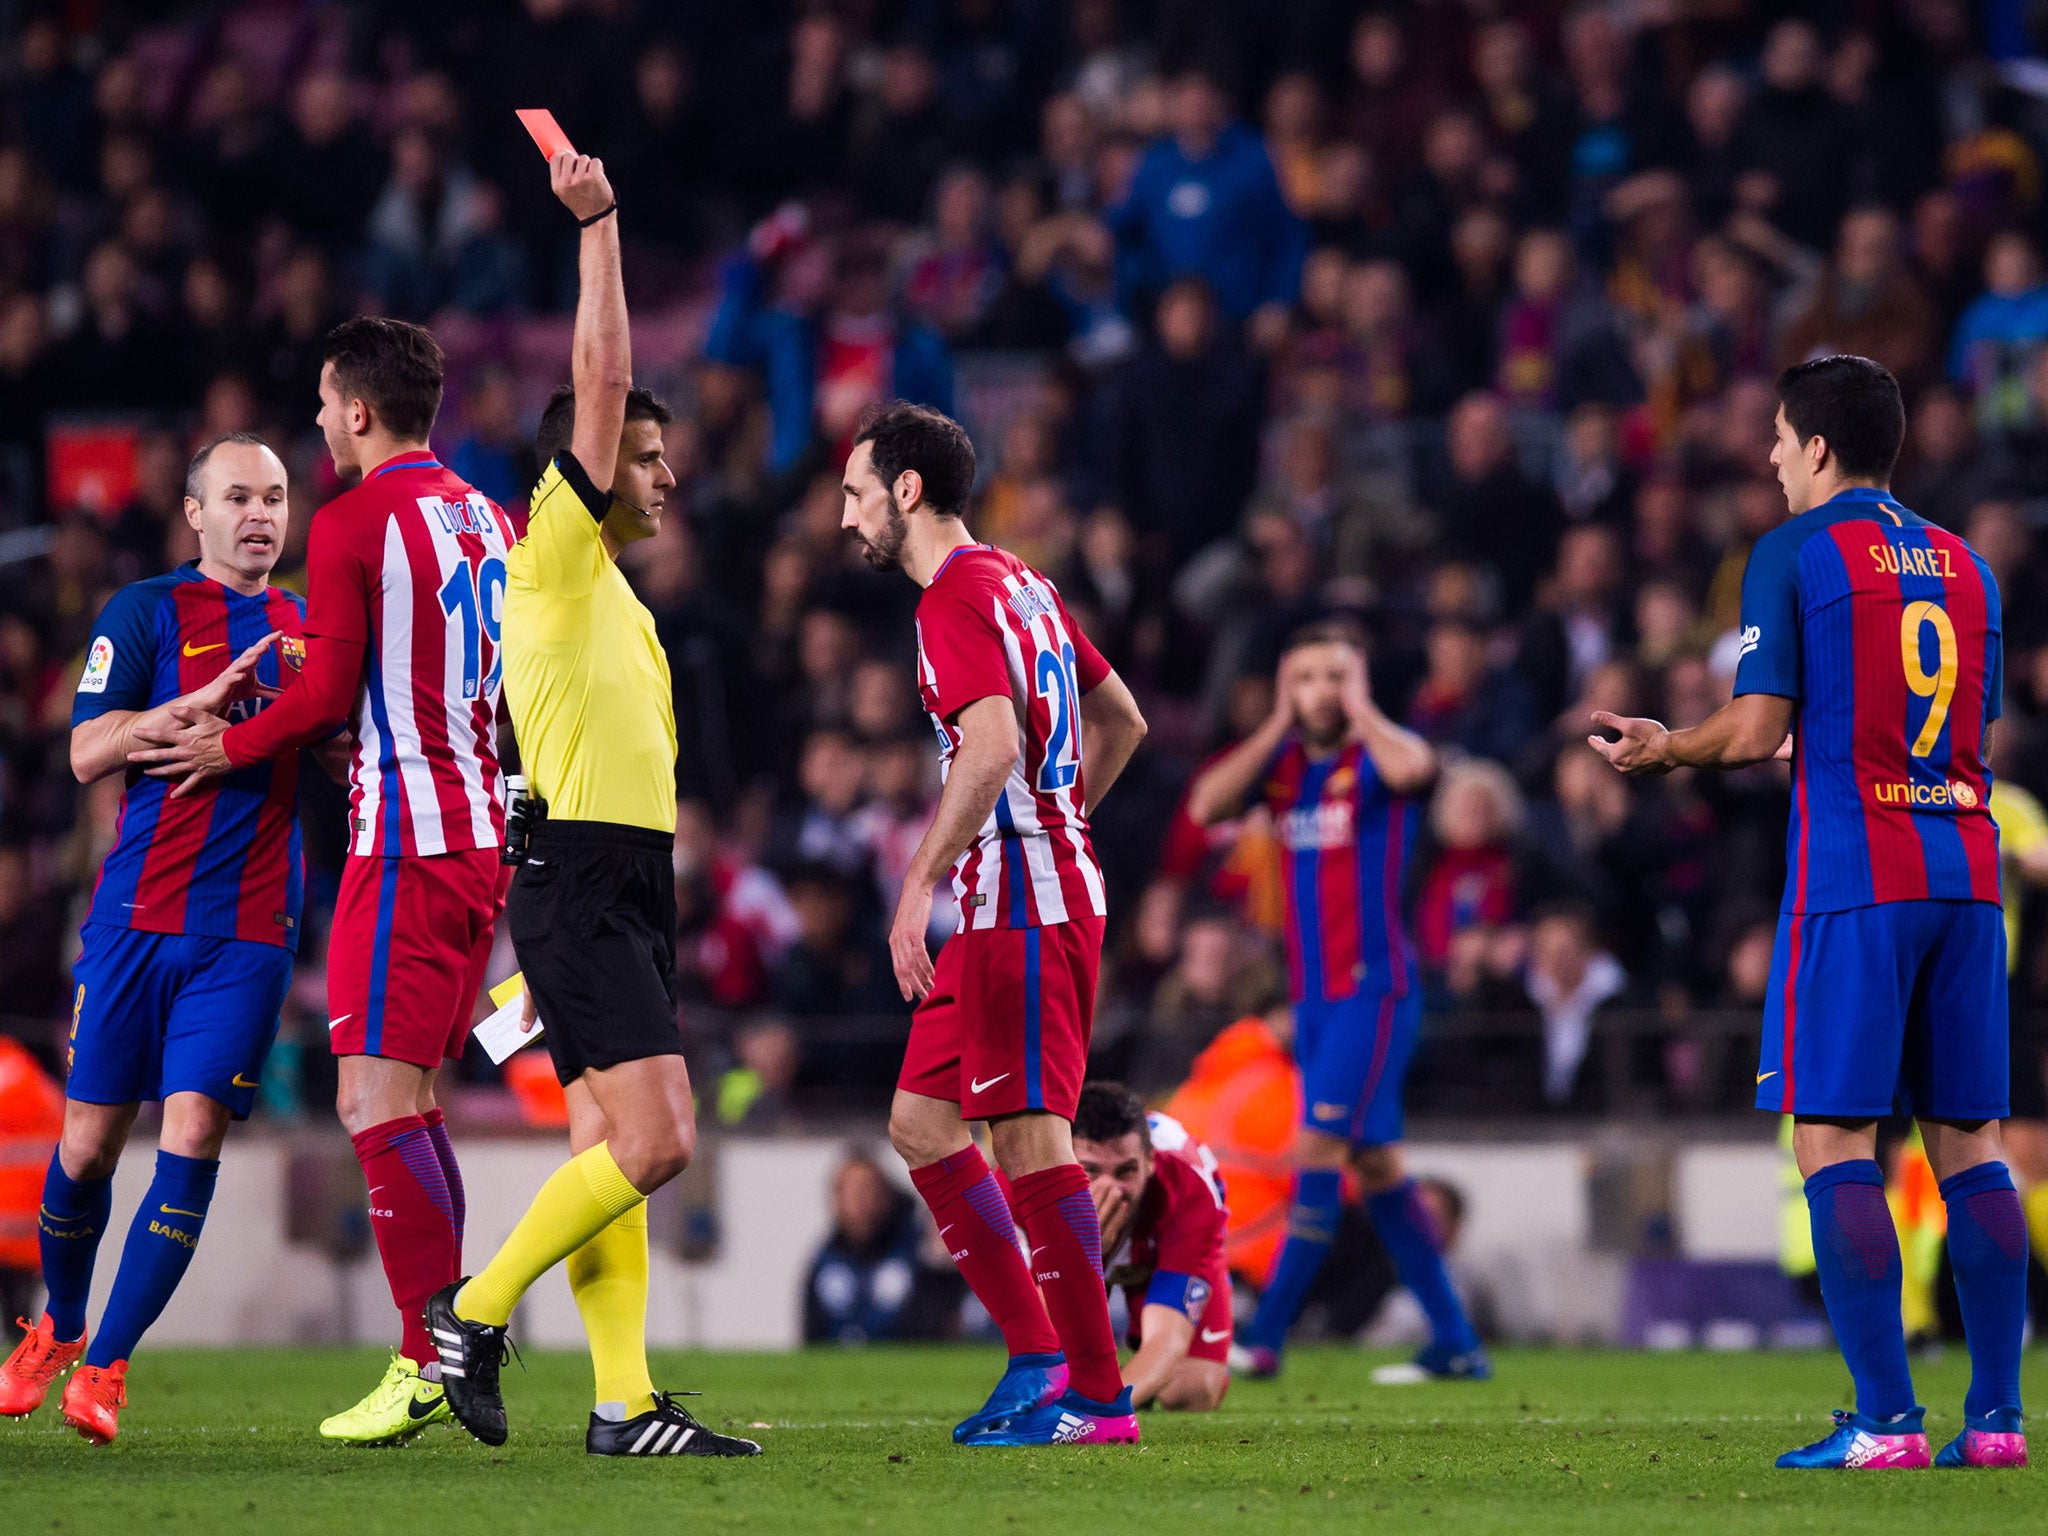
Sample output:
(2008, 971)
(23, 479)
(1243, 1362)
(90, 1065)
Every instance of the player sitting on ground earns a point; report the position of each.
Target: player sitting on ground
(1162, 1218)
(188, 945)
(406, 577)
(1876, 637)
(1340, 780)
(1034, 727)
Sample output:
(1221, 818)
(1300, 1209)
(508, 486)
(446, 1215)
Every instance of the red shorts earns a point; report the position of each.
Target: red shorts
(1212, 1332)
(1006, 1024)
(406, 956)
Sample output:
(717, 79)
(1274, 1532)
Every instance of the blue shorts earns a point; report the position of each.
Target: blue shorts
(1354, 1059)
(1898, 1008)
(163, 1013)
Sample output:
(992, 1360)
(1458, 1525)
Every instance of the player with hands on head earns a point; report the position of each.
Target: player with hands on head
(1341, 782)
(1874, 638)
(592, 911)
(1159, 1198)
(187, 949)
(1034, 727)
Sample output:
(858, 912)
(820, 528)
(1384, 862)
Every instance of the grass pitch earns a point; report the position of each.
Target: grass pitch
(1564, 1441)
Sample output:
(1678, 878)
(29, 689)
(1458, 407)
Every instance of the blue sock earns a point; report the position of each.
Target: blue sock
(1311, 1225)
(1856, 1248)
(1409, 1235)
(160, 1244)
(73, 1219)
(1987, 1247)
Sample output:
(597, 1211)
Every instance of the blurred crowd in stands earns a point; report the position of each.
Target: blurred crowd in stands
(1457, 315)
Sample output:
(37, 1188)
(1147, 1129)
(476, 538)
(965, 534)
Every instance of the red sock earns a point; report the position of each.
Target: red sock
(413, 1219)
(976, 1226)
(444, 1148)
(1066, 1247)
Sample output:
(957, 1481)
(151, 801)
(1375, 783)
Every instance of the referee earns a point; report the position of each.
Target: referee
(592, 911)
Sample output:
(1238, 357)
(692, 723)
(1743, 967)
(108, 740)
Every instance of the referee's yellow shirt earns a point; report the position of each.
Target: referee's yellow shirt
(587, 680)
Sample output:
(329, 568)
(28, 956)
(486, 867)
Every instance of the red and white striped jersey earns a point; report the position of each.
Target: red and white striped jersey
(412, 564)
(989, 626)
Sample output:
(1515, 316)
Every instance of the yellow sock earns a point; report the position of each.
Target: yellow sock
(609, 1276)
(2035, 1203)
(579, 1200)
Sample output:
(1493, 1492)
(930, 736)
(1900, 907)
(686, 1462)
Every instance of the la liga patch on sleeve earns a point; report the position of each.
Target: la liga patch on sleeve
(99, 666)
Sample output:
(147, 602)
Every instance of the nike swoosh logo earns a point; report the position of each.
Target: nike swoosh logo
(201, 650)
(172, 1210)
(947, 1228)
(240, 1081)
(1215, 1335)
(334, 1024)
(1040, 1249)
(1762, 1075)
(980, 1087)
(418, 1408)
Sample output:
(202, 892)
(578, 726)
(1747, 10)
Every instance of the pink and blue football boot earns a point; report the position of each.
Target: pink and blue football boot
(1030, 1382)
(1073, 1420)
(1999, 1439)
(1864, 1444)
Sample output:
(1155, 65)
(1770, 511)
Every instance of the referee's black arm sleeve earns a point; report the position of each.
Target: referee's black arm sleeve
(577, 478)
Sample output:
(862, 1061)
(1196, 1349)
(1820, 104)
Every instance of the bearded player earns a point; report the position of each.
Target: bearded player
(1875, 638)
(187, 951)
(1159, 1197)
(407, 589)
(1033, 729)
(1340, 780)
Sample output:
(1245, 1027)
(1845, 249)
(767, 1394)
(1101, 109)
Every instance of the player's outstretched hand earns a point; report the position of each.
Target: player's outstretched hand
(907, 951)
(1640, 750)
(189, 750)
(580, 183)
(237, 681)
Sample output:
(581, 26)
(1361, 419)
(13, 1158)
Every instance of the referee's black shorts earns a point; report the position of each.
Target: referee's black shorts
(2029, 1083)
(593, 922)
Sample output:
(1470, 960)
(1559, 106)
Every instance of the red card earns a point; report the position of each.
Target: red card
(547, 133)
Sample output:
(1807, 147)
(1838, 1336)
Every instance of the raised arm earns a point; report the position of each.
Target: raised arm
(1222, 789)
(1405, 762)
(1112, 725)
(601, 356)
(981, 764)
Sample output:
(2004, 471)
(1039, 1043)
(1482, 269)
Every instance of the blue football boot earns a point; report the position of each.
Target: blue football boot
(1865, 1444)
(1031, 1381)
(1998, 1439)
(1073, 1420)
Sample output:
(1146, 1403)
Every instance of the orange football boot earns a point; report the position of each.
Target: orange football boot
(93, 1400)
(38, 1360)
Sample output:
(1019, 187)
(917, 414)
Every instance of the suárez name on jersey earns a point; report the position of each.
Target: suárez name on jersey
(1904, 560)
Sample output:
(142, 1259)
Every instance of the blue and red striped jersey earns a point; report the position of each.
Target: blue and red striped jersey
(1346, 841)
(222, 861)
(1885, 631)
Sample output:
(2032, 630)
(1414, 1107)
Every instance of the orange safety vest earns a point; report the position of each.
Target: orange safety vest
(31, 1120)
(1243, 1100)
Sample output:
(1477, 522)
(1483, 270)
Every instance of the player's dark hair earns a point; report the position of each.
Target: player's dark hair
(558, 421)
(916, 437)
(1110, 1112)
(199, 460)
(1325, 632)
(1854, 405)
(393, 366)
